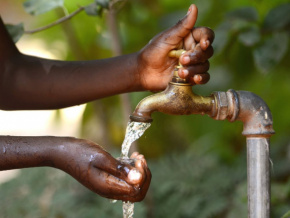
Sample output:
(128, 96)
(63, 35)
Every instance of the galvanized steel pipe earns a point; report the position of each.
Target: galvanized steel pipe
(258, 127)
(258, 177)
(178, 99)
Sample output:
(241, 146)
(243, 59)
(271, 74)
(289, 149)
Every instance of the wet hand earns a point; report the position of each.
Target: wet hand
(116, 180)
(155, 67)
(100, 172)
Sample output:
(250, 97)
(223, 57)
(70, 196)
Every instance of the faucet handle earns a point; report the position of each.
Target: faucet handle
(176, 53)
(176, 78)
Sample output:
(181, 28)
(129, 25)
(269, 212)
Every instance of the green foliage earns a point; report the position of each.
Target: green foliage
(36, 7)
(278, 18)
(271, 51)
(268, 46)
(286, 215)
(15, 31)
(198, 164)
(96, 8)
(199, 187)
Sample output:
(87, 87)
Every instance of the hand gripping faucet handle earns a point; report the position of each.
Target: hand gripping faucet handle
(176, 53)
(176, 78)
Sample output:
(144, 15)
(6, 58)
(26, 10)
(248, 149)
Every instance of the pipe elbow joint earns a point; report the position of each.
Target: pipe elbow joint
(255, 114)
(246, 107)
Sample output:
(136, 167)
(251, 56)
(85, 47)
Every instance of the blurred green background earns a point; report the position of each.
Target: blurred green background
(198, 164)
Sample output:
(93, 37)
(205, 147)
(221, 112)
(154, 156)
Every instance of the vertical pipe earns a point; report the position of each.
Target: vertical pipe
(258, 128)
(258, 177)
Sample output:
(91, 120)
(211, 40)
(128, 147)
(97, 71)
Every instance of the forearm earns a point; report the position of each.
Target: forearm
(23, 152)
(33, 83)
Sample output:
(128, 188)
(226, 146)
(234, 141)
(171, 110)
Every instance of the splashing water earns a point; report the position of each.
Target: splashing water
(133, 132)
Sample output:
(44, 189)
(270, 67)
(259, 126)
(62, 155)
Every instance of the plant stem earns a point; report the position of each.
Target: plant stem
(61, 20)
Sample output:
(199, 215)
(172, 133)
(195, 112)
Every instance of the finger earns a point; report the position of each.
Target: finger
(142, 158)
(196, 56)
(142, 187)
(200, 78)
(105, 162)
(135, 175)
(175, 34)
(107, 185)
(191, 70)
(134, 155)
(145, 185)
(204, 36)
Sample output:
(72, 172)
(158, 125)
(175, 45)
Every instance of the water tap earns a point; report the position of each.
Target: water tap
(177, 99)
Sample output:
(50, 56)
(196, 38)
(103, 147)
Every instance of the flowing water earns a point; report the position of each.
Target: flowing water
(133, 132)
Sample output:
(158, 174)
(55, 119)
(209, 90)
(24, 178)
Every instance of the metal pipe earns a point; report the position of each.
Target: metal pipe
(178, 99)
(258, 128)
(258, 171)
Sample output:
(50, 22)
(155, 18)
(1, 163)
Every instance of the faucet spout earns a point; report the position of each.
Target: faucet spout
(176, 99)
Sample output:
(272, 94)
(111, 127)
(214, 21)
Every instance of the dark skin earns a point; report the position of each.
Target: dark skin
(32, 83)
(87, 162)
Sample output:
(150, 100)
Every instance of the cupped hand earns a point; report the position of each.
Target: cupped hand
(155, 67)
(96, 169)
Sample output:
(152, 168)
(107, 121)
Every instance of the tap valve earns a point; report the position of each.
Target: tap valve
(176, 78)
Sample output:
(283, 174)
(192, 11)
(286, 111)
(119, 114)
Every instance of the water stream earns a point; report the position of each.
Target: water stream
(134, 131)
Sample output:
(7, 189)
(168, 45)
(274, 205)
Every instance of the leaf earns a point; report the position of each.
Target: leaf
(221, 36)
(286, 215)
(271, 51)
(278, 18)
(36, 7)
(250, 36)
(103, 3)
(245, 13)
(94, 10)
(15, 31)
(240, 25)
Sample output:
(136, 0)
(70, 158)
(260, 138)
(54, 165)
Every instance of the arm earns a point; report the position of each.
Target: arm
(84, 160)
(28, 82)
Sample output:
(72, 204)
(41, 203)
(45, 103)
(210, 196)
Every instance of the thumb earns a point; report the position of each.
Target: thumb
(175, 34)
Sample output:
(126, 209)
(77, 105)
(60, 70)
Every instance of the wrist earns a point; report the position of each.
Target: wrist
(25, 152)
(136, 75)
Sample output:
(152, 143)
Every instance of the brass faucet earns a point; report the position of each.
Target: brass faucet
(177, 99)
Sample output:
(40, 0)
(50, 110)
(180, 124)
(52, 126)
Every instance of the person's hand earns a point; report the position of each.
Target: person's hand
(100, 172)
(155, 67)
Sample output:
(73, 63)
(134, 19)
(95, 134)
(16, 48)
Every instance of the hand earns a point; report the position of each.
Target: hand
(100, 172)
(155, 67)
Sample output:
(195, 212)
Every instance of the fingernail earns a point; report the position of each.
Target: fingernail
(197, 78)
(185, 72)
(206, 43)
(186, 59)
(134, 175)
(189, 10)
